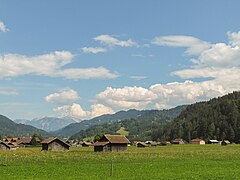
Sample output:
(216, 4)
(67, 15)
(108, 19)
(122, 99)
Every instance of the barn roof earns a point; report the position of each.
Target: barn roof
(142, 143)
(9, 139)
(50, 139)
(86, 143)
(5, 144)
(116, 139)
(25, 140)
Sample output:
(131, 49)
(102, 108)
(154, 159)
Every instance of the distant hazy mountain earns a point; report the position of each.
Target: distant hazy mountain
(10, 128)
(22, 121)
(121, 115)
(47, 123)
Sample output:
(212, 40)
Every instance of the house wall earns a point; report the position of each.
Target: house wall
(105, 148)
(55, 146)
(111, 147)
(3, 147)
(118, 147)
(98, 148)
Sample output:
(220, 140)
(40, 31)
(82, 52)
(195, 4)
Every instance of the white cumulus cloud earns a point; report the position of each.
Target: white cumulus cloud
(160, 96)
(220, 62)
(126, 97)
(176, 93)
(76, 111)
(52, 65)
(63, 97)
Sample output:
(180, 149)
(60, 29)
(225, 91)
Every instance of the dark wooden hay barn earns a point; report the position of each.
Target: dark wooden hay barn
(4, 146)
(54, 144)
(141, 144)
(111, 143)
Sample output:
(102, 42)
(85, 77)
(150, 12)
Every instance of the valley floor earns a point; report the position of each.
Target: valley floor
(165, 162)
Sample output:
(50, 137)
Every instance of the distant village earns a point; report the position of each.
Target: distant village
(106, 143)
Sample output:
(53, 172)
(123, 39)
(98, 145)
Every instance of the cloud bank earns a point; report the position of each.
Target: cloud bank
(216, 66)
(51, 65)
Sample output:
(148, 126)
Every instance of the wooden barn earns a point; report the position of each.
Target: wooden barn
(6, 146)
(141, 144)
(197, 141)
(54, 144)
(24, 141)
(225, 142)
(111, 143)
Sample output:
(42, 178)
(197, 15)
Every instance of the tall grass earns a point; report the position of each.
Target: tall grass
(166, 162)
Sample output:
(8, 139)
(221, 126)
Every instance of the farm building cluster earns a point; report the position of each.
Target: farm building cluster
(106, 143)
(18, 142)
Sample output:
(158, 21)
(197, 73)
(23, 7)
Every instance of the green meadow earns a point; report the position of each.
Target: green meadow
(164, 162)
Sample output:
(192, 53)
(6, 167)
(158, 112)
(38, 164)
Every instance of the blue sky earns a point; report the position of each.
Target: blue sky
(83, 59)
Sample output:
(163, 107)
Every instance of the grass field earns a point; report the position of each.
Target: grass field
(169, 162)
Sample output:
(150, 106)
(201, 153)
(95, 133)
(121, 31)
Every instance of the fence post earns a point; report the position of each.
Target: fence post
(111, 168)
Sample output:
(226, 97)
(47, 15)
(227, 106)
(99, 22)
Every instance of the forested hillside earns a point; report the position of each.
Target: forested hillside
(138, 128)
(10, 128)
(218, 118)
(74, 128)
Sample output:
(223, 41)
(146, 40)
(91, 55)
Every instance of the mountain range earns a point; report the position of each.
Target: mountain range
(218, 118)
(47, 123)
(119, 116)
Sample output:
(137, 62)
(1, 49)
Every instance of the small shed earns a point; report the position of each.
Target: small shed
(111, 143)
(54, 144)
(197, 141)
(141, 144)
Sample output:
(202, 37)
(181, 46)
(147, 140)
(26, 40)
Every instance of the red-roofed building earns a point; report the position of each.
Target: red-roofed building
(197, 141)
